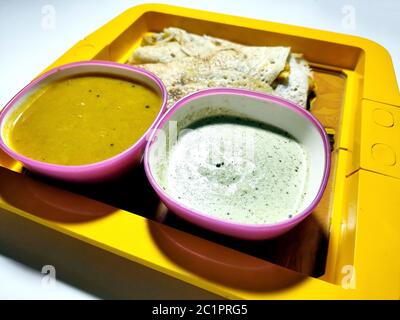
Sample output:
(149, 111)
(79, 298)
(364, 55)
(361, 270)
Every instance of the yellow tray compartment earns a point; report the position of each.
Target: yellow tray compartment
(358, 219)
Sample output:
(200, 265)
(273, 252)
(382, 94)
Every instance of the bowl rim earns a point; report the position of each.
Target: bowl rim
(46, 166)
(259, 96)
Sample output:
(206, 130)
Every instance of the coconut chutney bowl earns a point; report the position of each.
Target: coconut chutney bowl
(69, 123)
(237, 162)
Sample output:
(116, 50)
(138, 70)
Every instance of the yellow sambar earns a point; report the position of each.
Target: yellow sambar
(82, 120)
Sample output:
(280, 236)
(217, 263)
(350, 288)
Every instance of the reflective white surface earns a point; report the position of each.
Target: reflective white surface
(18, 281)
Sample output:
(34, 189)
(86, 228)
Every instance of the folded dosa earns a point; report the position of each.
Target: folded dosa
(298, 85)
(174, 44)
(187, 63)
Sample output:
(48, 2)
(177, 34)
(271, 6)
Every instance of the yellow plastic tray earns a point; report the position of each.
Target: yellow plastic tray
(362, 110)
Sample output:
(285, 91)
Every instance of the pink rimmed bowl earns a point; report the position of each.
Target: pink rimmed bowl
(94, 172)
(265, 108)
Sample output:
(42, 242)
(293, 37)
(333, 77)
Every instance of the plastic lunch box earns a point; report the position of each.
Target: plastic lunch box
(347, 249)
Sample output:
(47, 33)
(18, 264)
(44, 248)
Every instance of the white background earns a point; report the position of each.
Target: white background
(29, 44)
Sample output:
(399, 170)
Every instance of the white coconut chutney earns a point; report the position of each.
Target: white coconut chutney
(237, 169)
